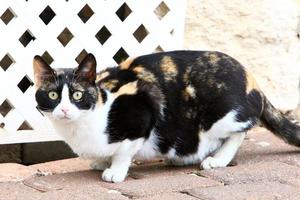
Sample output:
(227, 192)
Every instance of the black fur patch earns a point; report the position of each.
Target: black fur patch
(130, 117)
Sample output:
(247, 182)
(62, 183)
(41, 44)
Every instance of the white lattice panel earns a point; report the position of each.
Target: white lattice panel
(63, 31)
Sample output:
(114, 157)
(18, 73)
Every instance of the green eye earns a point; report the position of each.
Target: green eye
(53, 95)
(77, 95)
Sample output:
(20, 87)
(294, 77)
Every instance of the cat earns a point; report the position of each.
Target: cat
(189, 107)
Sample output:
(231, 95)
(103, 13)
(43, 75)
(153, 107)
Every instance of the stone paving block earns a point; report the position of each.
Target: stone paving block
(261, 145)
(260, 172)
(169, 196)
(61, 181)
(251, 191)
(14, 190)
(75, 185)
(40, 185)
(160, 184)
(62, 166)
(15, 172)
(82, 192)
(18, 191)
(160, 169)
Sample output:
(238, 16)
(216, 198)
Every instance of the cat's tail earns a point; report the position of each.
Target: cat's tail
(277, 123)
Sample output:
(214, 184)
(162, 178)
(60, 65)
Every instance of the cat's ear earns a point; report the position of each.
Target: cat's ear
(87, 68)
(41, 70)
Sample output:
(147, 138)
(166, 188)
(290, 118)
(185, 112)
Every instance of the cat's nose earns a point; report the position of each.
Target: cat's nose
(64, 110)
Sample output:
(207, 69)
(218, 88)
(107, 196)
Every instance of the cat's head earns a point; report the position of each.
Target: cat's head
(65, 94)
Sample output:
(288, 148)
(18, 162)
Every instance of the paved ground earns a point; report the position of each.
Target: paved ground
(265, 168)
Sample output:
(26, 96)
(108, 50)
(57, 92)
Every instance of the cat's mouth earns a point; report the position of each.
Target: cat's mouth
(64, 117)
(67, 118)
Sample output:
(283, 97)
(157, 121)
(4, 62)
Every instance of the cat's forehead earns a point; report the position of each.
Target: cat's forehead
(65, 74)
(64, 71)
(66, 77)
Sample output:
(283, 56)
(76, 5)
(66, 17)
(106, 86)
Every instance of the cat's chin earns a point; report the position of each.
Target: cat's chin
(64, 119)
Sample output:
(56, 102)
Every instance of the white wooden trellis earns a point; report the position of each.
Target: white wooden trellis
(33, 27)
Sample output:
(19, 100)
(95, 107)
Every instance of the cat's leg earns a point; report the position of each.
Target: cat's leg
(121, 161)
(183, 161)
(225, 154)
(175, 162)
(172, 159)
(100, 164)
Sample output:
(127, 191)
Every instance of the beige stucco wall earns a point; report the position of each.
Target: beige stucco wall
(261, 34)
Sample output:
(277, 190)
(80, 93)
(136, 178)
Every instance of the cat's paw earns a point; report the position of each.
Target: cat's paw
(211, 162)
(114, 176)
(99, 165)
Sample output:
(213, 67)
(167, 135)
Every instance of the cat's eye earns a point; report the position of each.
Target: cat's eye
(53, 95)
(77, 95)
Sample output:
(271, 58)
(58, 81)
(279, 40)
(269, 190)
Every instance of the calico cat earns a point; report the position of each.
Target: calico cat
(186, 106)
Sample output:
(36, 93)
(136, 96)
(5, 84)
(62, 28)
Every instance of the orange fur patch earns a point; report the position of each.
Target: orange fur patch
(213, 58)
(189, 92)
(38, 71)
(144, 74)
(102, 75)
(169, 68)
(126, 64)
(110, 84)
(127, 89)
(251, 82)
(186, 75)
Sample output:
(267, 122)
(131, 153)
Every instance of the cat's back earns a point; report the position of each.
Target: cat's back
(186, 76)
(177, 69)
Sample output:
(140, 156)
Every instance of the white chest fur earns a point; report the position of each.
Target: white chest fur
(86, 136)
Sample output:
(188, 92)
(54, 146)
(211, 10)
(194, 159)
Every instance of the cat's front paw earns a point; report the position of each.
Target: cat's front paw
(114, 176)
(99, 165)
(211, 162)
